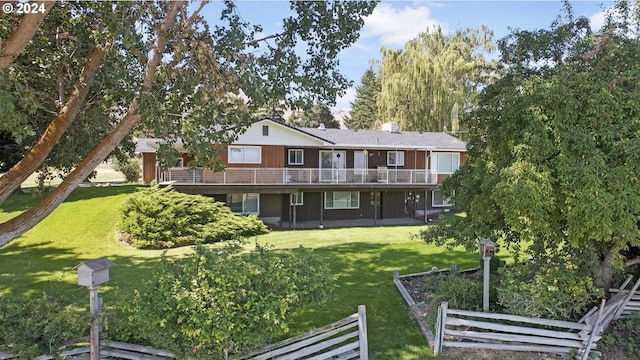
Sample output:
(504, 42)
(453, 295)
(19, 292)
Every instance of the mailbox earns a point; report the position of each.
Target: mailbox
(487, 247)
(94, 272)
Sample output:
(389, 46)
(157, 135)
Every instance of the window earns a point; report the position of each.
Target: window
(296, 156)
(179, 163)
(395, 158)
(247, 203)
(265, 130)
(446, 163)
(245, 154)
(438, 200)
(342, 200)
(296, 198)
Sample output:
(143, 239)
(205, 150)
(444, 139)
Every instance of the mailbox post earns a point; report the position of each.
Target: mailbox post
(487, 250)
(92, 274)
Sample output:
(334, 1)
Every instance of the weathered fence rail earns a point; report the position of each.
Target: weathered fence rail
(343, 339)
(471, 329)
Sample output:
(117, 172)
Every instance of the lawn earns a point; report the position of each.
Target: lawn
(84, 226)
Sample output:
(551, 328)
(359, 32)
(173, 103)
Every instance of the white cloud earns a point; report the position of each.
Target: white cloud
(394, 27)
(597, 20)
(344, 102)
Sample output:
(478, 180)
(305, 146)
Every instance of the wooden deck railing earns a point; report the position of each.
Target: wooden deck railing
(271, 176)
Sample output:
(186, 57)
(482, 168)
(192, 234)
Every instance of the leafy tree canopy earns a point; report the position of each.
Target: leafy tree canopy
(435, 72)
(553, 152)
(95, 71)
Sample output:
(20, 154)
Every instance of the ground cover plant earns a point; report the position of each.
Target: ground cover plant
(159, 218)
(363, 259)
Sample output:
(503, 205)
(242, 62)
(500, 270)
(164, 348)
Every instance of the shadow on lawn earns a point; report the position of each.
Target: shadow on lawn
(366, 277)
(28, 269)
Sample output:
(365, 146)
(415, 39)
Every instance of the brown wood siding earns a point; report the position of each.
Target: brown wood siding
(270, 205)
(273, 156)
(148, 167)
(392, 204)
(309, 210)
(463, 158)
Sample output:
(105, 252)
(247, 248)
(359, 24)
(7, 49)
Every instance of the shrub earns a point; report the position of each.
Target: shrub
(156, 218)
(219, 301)
(38, 325)
(548, 288)
(459, 291)
(130, 168)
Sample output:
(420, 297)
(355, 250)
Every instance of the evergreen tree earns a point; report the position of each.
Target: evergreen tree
(318, 114)
(364, 109)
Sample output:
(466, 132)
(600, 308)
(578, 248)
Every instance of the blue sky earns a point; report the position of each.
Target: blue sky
(393, 23)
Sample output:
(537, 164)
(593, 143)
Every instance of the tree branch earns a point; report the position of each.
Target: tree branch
(632, 262)
(17, 226)
(21, 36)
(13, 178)
(195, 13)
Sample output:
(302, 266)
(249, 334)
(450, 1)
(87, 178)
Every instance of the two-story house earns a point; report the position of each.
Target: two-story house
(287, 175)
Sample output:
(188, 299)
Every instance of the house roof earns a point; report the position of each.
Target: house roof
(347, 138)
(387, 139)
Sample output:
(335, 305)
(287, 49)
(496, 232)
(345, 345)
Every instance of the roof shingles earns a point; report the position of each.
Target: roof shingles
(379, 138)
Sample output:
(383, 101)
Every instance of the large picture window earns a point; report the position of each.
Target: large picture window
(342, 200)
(246, 203)
(395, 158)
(245, 155)
(447, 163)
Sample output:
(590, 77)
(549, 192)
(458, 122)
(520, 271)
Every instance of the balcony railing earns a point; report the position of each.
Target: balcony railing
(280, 176)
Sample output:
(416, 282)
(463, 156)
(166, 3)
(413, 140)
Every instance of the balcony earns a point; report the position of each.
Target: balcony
(298, 176)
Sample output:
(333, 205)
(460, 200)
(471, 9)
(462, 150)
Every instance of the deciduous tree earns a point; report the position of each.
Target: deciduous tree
(421, 83)
(193, 80)
(553, 155)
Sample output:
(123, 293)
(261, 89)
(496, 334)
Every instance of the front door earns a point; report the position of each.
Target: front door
(333, 166)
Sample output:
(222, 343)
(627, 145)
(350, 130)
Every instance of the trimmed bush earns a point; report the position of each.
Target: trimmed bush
(38, 325)
(159, 218)
(221, 301)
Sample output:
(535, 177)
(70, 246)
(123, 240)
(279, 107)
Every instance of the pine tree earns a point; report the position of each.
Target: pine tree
(364, 109)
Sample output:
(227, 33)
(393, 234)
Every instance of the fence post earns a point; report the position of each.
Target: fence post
(593, 334)
(440, 325)
(362, 332)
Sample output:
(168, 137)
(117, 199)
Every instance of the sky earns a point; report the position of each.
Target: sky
(393, 23)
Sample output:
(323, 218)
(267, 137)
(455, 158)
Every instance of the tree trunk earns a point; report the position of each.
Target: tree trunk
(22, 223)
(604, 279)
(20, 37)
(19, 172)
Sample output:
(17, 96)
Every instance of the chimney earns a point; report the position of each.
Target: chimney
(391, 127)
(321, 127)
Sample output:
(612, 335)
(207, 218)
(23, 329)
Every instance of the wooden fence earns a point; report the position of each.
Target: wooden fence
(343, 339)
(471, 329)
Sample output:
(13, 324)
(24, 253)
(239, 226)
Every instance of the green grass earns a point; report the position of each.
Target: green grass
(84, 226)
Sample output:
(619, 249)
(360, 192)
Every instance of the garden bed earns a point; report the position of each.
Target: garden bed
(413, 289)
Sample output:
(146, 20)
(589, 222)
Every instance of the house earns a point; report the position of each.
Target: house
(287, 175)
